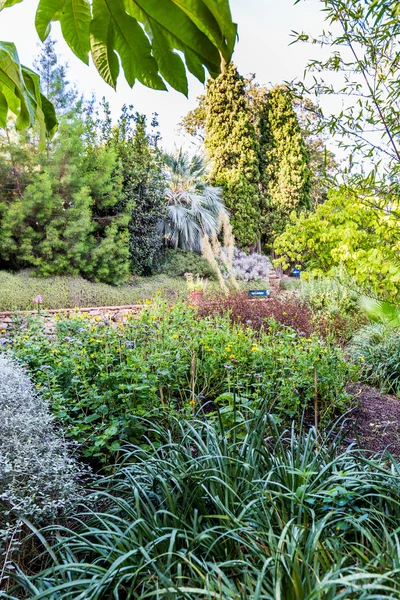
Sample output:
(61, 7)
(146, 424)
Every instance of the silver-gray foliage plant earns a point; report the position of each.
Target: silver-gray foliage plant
(39, 475)
(250, 267)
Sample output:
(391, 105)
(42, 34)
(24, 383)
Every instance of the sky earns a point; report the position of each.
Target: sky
(263, 48)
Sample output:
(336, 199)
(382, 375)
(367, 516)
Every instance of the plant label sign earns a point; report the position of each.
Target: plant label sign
(259, 293)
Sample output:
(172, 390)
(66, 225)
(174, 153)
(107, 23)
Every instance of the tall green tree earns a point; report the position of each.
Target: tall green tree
(54, 79)
(143, 183)
(232, 145)
(286, 175)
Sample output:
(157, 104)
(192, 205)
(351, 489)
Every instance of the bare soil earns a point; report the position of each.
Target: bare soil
(374, 424)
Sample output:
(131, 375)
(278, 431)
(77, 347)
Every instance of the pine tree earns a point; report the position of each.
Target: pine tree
(286, 175)
(54, 80)
(143, 187)
(232, 145)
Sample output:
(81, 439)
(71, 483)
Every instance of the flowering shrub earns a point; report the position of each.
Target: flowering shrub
(167, 362)
(38, 475)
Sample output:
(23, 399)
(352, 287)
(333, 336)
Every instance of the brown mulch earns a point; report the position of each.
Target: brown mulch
(375, 421)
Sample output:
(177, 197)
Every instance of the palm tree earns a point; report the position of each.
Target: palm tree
(193, 205)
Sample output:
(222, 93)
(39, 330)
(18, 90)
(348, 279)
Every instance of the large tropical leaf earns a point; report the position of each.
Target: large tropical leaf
(20, 94)
(380, 311)
(145, 37)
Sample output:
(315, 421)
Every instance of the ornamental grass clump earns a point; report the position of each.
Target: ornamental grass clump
(206, 515)
(38, 474)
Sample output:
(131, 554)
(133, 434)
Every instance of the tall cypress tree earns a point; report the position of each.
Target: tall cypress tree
(286, 175)
(232, 145)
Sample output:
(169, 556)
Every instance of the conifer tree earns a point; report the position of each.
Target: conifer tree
(54, 78)
(232, 145)
(143, 188)
(286, 176)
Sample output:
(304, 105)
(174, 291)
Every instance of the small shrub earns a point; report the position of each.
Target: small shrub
(250, 267)
(287, 310)
(205, 515)
(178, 262)
(328, 295)
(38, 475)
(376, 349)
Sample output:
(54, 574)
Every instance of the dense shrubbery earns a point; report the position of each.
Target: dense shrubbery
(377, 348)
(178, 262)
(98, 378)
(206, 515)
(38, 475)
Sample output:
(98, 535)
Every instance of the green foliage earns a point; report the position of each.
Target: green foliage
(53, 79)
(378, 311)
(66, 221)
(347, 230)
(232, 144)
(17, 291)
(20, 94)
(142, 37)
(167, 362)
(140, 167)
(329, 295)
(193, 205)
(176, 263)
(376, 348)
(361, 65)
(286, 174)
(205, 515)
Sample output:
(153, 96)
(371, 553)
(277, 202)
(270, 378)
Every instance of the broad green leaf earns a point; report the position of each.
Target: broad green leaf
(47, 11)
(170, 64)
(20, 93)
(177, 22)
(133, 47)
(3, 111)
(75, 25)
(50, 116)
(102, 44)
(74, 16)
(213, 18)
(8, 3)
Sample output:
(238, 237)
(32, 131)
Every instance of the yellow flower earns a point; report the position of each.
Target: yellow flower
(38, 385)
(284, 312)
(255, 349)
(158, 293)
(232, 356)
(362, 358)
(192, 402)
(54, 351)
(92, 340)
(175, 336)
(3, 331)
(92, 356)
(148, 302)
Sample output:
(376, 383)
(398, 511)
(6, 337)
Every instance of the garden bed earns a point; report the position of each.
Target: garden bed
(375, 422)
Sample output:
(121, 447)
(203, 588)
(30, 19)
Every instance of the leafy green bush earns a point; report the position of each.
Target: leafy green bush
(376, 348)
(328, 295)
(170, 361)
(208, 516)
(178, 262)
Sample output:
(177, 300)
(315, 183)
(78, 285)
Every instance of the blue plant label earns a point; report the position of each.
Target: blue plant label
(296, 273)
(259, 293)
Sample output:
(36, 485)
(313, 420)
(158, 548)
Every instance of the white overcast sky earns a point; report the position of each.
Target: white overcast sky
(263, 48)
